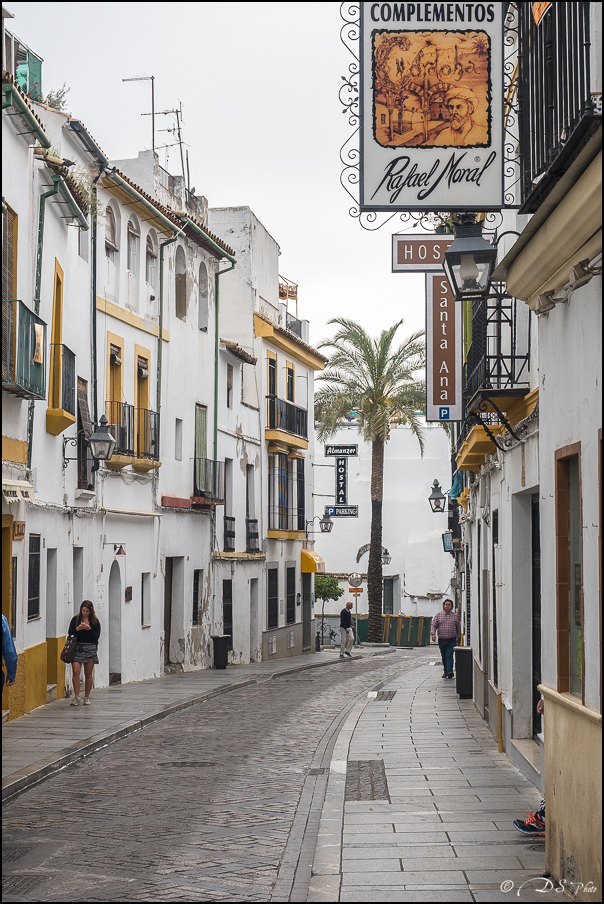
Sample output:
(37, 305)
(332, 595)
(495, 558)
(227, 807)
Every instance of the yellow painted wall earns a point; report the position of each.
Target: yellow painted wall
(573, 793)
(14, 450)
(55, 667)
(29, 691)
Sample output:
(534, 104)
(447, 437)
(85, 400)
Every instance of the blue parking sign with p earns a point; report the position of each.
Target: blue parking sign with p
(443, 414)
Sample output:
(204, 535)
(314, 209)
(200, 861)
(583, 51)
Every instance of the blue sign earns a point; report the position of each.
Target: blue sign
(443, 414)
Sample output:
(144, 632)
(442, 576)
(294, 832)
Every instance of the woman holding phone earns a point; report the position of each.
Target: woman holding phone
(87, 628)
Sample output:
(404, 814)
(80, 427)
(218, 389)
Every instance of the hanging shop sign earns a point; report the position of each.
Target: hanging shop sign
(419, 252)
(342, 511)
(431, 106)
(444, 360)
(342, 450)
(342, 480)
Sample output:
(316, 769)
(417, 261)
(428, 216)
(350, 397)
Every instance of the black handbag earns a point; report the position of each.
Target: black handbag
(68, 651)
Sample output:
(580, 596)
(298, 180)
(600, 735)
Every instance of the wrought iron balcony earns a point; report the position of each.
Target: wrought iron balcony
(252, 538)
(498, 357)
(147, 434)
(121, 426)
(556, 109)
(286, 416)
(23, 351)
(63, 390)
(229, 534)
(208, 481)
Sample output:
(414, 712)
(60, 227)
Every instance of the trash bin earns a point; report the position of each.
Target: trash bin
(221, 650)
(463, 672)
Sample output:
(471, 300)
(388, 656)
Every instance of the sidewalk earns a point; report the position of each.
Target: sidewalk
(33, 746)
(420, 804)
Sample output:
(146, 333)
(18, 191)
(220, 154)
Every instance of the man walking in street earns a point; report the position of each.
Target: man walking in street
(449, 634)
(346, 632)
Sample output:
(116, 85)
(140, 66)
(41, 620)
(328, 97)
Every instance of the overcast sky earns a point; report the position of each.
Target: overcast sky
(263, 125)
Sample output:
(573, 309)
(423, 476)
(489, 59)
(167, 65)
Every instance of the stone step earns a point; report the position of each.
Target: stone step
(51, 692)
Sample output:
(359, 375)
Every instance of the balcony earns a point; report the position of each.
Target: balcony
(229, 534)
(293, 324)
(208, 482)
(147, 440)
(286, 422)
(556, 103)
(61, 412)
(121, 425)
(252, 538)
(23, 351)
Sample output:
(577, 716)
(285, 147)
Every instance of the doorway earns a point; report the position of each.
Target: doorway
(254, 652)
(536, 608)
(115, 625)
(168, 607)
(306, 612)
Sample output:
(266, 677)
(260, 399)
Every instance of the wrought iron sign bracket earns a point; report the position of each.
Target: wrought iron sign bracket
(475, 419)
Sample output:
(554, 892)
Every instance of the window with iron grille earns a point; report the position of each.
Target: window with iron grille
(33, 577)
(301, 510)
(273, 598)
(227, 611)
(291, 595)
(197, 587)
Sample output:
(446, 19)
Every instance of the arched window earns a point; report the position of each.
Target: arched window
(150, 261)
(111, 246)
(134, 238)
(181, 284)
(202, 313)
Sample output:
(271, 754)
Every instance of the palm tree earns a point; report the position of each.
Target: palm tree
(377, 382)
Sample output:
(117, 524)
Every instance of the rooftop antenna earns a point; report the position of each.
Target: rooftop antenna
(147, 78)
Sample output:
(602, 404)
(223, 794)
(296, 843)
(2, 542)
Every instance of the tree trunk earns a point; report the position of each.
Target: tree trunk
(374, 570)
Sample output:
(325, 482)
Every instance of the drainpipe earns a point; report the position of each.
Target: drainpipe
(56, 181)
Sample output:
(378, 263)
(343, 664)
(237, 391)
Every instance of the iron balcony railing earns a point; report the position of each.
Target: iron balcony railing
(556, 109)
(498, 357)
(147, 434)
(63, 392)
(121, 426)
(229, 534)
(208, 480)
(23, 351)
(286, 416)
(252, 538)
(293, 324)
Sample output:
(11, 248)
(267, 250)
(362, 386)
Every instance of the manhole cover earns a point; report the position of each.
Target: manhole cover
(191, 764)
(366, 780)
(14, 885)
(10, 853)
(385, 695)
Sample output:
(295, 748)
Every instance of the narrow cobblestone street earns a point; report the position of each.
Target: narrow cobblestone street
(202, 806)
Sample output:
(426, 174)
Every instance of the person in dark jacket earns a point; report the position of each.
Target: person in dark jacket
(346, 632)
(9, 654)
(86, 626)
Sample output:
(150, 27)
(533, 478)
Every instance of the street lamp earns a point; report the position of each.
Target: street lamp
(386, 558)
(470, 260)
(101, 443)
(325, 523)
(437, 498)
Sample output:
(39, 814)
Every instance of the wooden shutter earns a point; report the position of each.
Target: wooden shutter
(9, 255)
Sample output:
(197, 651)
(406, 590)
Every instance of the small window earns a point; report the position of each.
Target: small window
(290, 382)
(229, 399)
(181, 284)
(133, 247)
(197, 591)
(33, 579)
(146, 599)
(150, 261)
(178, 440)
(110, 234)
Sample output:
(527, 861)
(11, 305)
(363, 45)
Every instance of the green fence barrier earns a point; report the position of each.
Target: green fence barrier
(398, 630)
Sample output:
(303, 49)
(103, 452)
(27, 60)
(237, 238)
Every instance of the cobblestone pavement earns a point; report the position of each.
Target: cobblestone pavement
(206, 805)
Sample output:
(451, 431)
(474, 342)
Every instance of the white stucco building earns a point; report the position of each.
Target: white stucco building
(418, 577)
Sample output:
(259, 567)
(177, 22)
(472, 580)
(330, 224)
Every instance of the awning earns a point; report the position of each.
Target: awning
(311, 561)
(16, 490)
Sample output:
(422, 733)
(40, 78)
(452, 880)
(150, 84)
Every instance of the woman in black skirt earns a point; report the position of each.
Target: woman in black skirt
(86, 626)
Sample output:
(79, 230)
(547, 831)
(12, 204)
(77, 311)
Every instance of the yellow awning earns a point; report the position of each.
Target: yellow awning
(311, 561)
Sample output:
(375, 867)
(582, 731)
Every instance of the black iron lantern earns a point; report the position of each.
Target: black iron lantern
(386, 557)
(326, 523)
(102, 443)
(437, 498)
(470, 260)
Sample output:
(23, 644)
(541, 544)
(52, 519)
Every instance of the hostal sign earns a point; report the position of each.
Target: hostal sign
(431, 106)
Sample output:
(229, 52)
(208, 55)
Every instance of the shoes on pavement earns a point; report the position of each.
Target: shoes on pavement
(86, 701)
(444, 675)
(349, 655)
(534, 825)
(450, 675)
(342, 656)
(75, 701)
